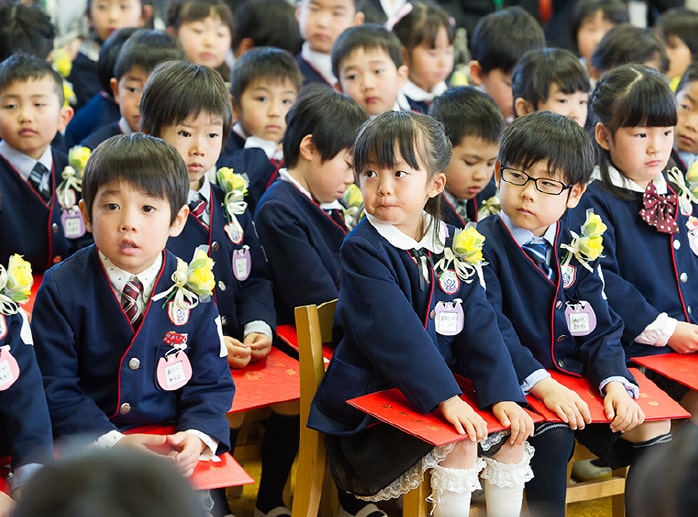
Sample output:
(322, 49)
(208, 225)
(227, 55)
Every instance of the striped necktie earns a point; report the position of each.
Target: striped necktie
(38, 177)
(537, 250)
(129, 301)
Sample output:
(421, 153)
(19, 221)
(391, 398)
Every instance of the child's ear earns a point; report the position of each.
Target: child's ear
(438, 184)
(65, 116)
(475, 72)
(402, 73)
(405, 56)
(180, 220)
(147, 14)
(522, 107)
(603, 136)
(114, 85)
(594, 74)
(85, 215)
(575, 194)
(236, 108)
(245, 45)
(307, 148)
(359, 18)
(497, 172)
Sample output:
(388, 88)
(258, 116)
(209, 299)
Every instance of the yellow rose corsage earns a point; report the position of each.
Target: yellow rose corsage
(15, 284)
(235, 188)
(353, 202)
(192, 282)
(72, 175)
(465, 254)
(589, 246)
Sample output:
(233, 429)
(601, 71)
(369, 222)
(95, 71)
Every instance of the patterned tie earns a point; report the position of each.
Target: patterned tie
(129, 301)
(198, 209)
(337, 216)
(38, 177)
(659, 210)
(537, 249)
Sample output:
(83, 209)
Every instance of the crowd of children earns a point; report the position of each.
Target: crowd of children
(180, 181)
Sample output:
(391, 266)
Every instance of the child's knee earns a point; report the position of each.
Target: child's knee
(463, 455)
(509, 453)
(648, 431)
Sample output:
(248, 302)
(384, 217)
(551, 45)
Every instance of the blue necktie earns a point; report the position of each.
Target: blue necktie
(39, 179)
(537, 249)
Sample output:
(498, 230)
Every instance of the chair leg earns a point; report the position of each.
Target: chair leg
(414, 503)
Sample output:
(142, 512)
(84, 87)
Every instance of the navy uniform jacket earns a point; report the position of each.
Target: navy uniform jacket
(27, 225)
(384, 327)
(302, 245)
(451, 216)
(99, 111)
(238, 302)
(531, 310)
(310, 74)
(418, 106)
(646, 272)
(25, 427)
(99, 135)
(254, 163)
(99, 376)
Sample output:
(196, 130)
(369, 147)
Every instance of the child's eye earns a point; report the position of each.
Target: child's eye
(111, 206)
(369, 174)
(350, 77)
(133, 89)
(684, 107)
(183, 133)
(213, 135)
(400, 174)
(470, 163)
(261, 98)
(148, 209)
(563, 100)
(548, 184)
(668, 132)
(379, 71)
(516, 175)
(288, 102)
(641, 135)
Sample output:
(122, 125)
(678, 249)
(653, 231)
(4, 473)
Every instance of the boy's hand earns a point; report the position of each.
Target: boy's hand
(7, 504)
(621, 409)
(153, 443)
(259, 345)
(684, 340)
(510, 414)
(466, 421)
(186, 449)
(566, 403)
(239, 355)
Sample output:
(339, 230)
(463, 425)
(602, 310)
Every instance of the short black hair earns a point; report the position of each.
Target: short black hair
(422, 24)
(615, 11)
(177, 90)
(682, 23)
(538, 69)
(108, 53)
(25, 29)
(627, 43)
(468, 111)
(25, 67)
(689, 76)
(369, 36)
(268, 23)
(145, 49)
(143, 161)
(502, 37)
(558, 141)
(332, 119)
(270, 63)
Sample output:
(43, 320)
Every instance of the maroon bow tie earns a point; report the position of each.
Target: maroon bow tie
(659, 210)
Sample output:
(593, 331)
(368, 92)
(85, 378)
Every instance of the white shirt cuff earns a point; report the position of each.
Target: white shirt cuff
(211, 445)
(108, 440)
(659, 331)
(533, 379)
(632, 390)
(258, 326)
(21, 475)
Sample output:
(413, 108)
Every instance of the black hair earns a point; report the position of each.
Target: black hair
(630, 96)
(501, 38)
(27, 67)
(109, 483)
(468, 111)
(108, 53)
(615, 11)
(682, 23)
(145, 49)
(269, 23)
(422, 24)
(143, 161)
(689, 76)
(558, 141)
(177, 90)
(538, 69)
(368, 36)
(25, 29)
(420, 140)
(270, 63)
(332, 119)
(626, 43)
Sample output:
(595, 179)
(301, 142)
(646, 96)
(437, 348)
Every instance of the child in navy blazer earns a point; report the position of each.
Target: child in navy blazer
(551, 306)
(649, 213)
(25, 426)
(125, 336)
(411, 311)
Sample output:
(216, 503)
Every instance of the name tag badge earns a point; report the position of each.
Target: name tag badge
(568, 274)
(581, 318)
(449, 281)
(242, 263)
(234, 231)
(174, 371)
(73, 225)
(448, 317)
(9, 369)
(692, 225)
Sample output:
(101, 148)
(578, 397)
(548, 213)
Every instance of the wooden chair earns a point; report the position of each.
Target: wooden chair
(314, 326)
(613, 487)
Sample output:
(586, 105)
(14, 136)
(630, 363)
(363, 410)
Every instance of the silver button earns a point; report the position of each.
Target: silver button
(558, 305)
(224, 320)
(683, 277)
(134, 363)
(125, 408)
(689, 309)
(215, 246)
(677, 244)
(561, 338)
(54, 228)
(221, 285)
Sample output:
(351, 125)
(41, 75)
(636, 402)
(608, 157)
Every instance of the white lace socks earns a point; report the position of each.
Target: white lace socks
(451, 489)
(504, 484)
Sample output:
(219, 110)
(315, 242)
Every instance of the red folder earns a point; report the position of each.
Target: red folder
(682, 368)
(392, 407)
(288, 334)
(4, 472)
(270, 381)
(208, 474)
(655, 403)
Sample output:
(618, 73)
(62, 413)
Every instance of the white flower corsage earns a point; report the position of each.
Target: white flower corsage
(589, 246)
(235, 188)
(687, 187)
(72, 176)
(490, 206)
(15, 284)
(465, 254)
(192, 282)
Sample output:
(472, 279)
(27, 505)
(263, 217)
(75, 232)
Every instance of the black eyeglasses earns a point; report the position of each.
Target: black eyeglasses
(544, 185)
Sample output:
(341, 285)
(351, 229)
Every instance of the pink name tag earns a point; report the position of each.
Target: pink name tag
(448, 317)
(581, 318)
(73, 225)
(174, 371)
(9, 369)
(242, 263)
